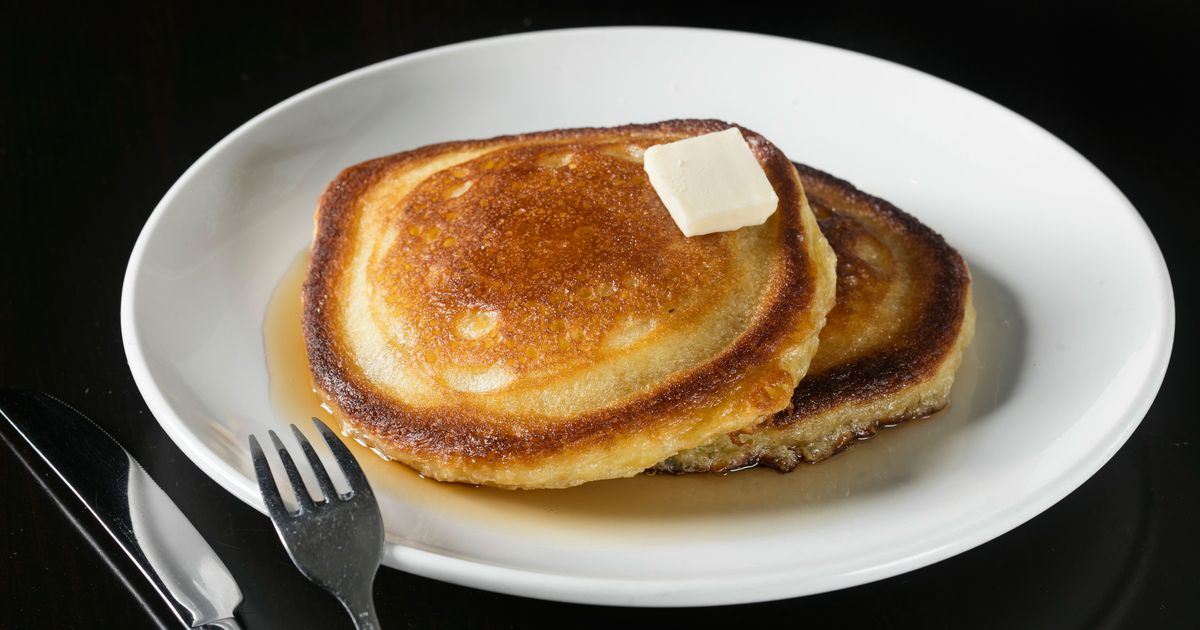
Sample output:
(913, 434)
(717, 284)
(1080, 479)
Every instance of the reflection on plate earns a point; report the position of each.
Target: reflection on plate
(1075, 315)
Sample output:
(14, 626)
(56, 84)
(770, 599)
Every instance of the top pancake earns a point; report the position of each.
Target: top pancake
(889, 349)
(523, 312)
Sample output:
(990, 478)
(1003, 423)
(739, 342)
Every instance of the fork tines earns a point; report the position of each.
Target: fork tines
(270, 492)
(336, 542)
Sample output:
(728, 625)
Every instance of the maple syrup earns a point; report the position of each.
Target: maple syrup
(647, 506)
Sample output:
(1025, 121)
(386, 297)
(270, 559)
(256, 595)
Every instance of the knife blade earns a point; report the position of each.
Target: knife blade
(147, 525)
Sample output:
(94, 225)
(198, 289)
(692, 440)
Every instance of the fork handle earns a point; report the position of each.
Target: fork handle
(222, 624)
(366, 620)
(362, 609)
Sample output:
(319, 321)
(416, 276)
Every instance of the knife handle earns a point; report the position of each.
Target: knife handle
(92, 533)
(171, 555)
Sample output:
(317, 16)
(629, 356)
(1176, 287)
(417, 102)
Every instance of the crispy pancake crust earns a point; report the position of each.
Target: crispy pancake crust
(889, 349)
(522, 312)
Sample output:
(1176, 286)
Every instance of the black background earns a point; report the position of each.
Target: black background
(103, 107)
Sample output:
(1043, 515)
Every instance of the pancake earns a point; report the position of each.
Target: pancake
(522, 312)
(890, 347)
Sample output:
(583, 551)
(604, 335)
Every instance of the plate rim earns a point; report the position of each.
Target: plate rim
(660, 591)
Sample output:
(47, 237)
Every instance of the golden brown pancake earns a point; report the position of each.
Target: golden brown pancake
(522, 312)
(890, 347)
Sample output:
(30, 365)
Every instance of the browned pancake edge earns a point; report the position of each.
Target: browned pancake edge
(445, 434)
(908, 379)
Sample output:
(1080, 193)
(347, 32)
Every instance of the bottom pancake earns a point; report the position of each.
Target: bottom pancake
(890, 347)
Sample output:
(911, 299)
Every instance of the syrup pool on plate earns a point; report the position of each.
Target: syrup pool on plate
(647, 506)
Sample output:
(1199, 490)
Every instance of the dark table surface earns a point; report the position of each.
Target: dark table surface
(103, 107)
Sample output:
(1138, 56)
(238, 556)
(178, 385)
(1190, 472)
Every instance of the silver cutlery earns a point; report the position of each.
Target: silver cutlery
(336, 542)
(143, 520)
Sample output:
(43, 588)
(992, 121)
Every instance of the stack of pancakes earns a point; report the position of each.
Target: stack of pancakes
(522, 312)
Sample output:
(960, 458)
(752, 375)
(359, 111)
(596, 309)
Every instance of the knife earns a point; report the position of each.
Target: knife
(143, 520)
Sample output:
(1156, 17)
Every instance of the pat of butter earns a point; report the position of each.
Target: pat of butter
(711, 183)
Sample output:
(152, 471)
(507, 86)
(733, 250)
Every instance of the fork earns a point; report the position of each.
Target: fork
(337, 542)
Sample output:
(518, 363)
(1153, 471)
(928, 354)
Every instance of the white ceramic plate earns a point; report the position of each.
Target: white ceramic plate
(1076, 314)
